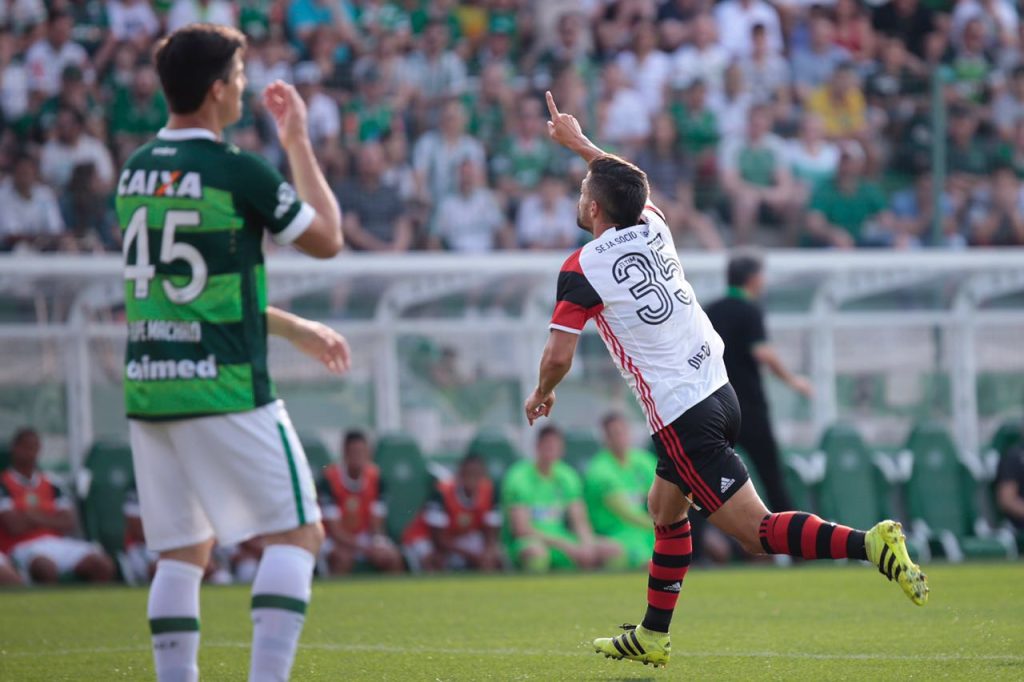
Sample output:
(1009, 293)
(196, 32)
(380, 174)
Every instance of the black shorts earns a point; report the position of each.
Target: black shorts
(695, 452)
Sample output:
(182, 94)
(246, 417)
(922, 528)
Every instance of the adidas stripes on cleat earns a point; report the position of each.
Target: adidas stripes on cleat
(887, 549)
(636, 644)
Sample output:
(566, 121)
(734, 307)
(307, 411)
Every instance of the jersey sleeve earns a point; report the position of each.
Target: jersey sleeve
(576, 300)
(273, 200)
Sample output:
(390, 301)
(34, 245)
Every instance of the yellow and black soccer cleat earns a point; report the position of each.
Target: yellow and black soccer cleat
(637, 644)
(887, 549)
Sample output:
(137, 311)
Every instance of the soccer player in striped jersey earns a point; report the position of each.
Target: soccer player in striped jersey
(628, 279)
(215, 453)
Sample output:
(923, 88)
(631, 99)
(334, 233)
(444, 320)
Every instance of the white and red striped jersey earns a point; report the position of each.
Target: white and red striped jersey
(630, 282)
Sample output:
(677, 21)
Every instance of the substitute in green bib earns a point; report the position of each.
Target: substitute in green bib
(215, 454)
(615, 490)
(546, 524)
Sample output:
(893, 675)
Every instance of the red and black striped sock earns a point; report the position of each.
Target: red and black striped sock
(673, 548)
(807, 536)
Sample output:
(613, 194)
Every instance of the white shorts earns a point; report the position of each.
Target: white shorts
(232, 476)
(65, 553)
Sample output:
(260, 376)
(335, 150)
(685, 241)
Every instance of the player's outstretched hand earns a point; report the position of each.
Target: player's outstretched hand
(563, 128)
(289, 112)
(324, 344)
(538, 405)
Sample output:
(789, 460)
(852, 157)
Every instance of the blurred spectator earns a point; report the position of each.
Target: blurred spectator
(8, 574)
(894, 82)
(671, 180)
(89, 219)
(569, 50)
(851, 211)
(813, 66)
(14, 79)
(767, 72)
(137, 114)
(546, 524)
(335, 72)
(185, 12)
(525, 155)
(625, 118)
(736, 19)
(47, 58)
(972, 64)
(841, 105)
(470, 219)
(1008, 107)
(705, 60)
(913, 211)
(375, 218)
(352, 499)
(438, 154)
(999, 18)
(696, 124)
(132, 21)
(71, 146)
(305, 16)
(1009, 486)
(755, 175)
(996, 215)
(323, 118)
(615, 490)
(31, 216)
(458, 527)
(853, 31)
(369, 114)
(435, 72)
(398, 171)
(812, 158)
(266, 62)
(647, 66)
(74, 94)
(37, 520)
(490, 106)
(910, 21)
(968, 155)
(732, 104)
(546, 218)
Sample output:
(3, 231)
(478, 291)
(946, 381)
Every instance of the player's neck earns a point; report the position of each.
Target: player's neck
(199, 119)
(601, 229)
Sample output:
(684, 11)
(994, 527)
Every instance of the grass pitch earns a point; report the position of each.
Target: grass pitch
(808, 622)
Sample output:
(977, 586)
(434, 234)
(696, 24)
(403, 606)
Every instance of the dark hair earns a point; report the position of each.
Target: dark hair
(472, 457)
(619, 188)
(192, 59)
(548, 430)
(354, 436)
(742, 267)
(23, 433)
(611, 418)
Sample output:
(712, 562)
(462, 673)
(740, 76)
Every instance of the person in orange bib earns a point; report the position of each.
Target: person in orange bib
(458, 527)
(352, 502)
(36, 522)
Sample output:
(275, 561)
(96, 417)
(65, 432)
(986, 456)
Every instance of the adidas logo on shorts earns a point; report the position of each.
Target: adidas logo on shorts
(727, 483)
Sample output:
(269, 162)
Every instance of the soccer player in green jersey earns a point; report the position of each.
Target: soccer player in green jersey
(615, 490)
(215, 453)
(546, 523)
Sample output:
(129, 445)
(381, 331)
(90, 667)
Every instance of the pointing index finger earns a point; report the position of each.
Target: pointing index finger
(552, 109)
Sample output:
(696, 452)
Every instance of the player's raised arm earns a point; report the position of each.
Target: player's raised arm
(323, 238)
(312, 338)
(566, 131)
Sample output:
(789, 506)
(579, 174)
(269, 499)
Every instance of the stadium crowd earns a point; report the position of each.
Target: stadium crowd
(794, 123)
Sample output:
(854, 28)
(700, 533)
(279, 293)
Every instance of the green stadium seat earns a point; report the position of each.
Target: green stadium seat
(317, 454)
(939, 498)
(580, 446)
(496, 450)
(755, 478)
(406, 479)
(800, 492)
(849, 492)
(109, 464)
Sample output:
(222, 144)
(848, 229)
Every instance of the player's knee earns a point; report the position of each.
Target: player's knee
(43, 570)
(97, 568)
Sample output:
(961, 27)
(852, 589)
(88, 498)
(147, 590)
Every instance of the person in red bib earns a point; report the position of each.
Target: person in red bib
(458, 527)
(352, 502)
(36, 521)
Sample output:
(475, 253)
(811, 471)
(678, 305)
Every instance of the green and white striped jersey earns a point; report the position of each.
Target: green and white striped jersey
(192, 212)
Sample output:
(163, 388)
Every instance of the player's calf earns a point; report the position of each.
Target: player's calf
(96, 568)
(43, 571)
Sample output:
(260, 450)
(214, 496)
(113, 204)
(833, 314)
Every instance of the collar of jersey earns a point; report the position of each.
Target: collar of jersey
(179, 134)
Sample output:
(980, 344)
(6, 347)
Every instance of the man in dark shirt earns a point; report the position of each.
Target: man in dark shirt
(375, 217)
(907, 20)
(739, 320)
(1010, 486)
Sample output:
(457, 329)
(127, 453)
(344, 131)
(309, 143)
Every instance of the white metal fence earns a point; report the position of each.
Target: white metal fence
(448, 344)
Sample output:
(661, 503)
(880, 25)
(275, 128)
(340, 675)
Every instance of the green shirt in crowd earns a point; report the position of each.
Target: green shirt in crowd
(607, 476)
(849, 211)
(547, 497)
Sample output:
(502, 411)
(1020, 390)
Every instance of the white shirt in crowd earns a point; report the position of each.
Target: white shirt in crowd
(438, 162)
(627, 117)
(1002, 17)
(131, 21)
(814, 167)
(442, 77)
(731, 113)
(45, 64)
(322, 117)
(469, 224)
(648, 76)
(36, 216)
(709, 65)
(185, 12)
(540, 227)
(14, 90)
(57, 160)
(736, 19)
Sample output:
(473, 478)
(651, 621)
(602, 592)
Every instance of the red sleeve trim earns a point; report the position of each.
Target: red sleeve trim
(572, 315)
(572, 263)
